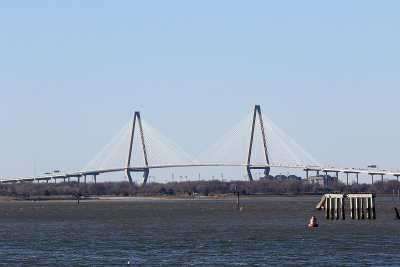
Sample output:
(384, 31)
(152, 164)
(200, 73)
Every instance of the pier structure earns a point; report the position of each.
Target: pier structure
(334, 205)
(361, 202)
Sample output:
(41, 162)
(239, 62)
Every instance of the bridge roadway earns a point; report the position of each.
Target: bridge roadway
(94, 173)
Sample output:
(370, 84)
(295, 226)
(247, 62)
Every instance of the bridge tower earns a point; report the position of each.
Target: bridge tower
(257, 114)
(137, 120)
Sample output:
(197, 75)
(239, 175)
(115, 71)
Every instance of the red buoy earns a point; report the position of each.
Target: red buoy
(313, 222)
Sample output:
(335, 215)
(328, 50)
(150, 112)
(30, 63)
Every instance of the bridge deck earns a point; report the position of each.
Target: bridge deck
(136, 168)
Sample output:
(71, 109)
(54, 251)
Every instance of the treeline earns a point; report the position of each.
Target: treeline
(188, 188)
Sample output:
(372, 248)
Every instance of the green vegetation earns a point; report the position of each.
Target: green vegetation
(200, 188)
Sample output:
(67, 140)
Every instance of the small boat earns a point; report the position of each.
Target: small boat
(313, 225)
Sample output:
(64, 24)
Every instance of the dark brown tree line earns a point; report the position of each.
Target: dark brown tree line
(188, 188)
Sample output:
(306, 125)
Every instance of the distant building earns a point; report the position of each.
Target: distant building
(321, 180)
(267, 178)
(294, 178)
(280, 177)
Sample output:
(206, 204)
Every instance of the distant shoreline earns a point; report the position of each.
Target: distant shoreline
(182, 190)
(162, 198)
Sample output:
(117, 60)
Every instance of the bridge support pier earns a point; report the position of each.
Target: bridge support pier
(357, 178)
(128, 176)
(326, 177)
(136, 118)
(145, 176)
(257, 113)
(347, 177)
(249, 176)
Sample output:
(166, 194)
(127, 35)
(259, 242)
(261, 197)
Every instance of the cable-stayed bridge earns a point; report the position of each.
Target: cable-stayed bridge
(254, 143)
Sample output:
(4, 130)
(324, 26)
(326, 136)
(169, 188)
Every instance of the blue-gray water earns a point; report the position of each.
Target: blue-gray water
(192, 232)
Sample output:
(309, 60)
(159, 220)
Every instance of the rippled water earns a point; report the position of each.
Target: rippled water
(270, 231)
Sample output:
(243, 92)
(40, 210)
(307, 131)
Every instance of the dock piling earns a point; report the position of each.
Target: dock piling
(337, 208)
(352, 208)
(373, 208)
(342, 209)
(362, 208)
(327, 207)
(368, 203)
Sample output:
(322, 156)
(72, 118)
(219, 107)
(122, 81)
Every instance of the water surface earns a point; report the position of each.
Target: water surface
(269, 231)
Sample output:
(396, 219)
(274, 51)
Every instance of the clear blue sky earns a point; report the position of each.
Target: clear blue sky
(72, 73)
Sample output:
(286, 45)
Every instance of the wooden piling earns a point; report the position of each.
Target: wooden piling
(342, 208)
(321, 203)
(237, 201)
(327, 208)
(332, 210)
(396, 214)
(351, 208)
(373, 207)
(357, 208)
(337, 208)
(368, 203)
(362, 208)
